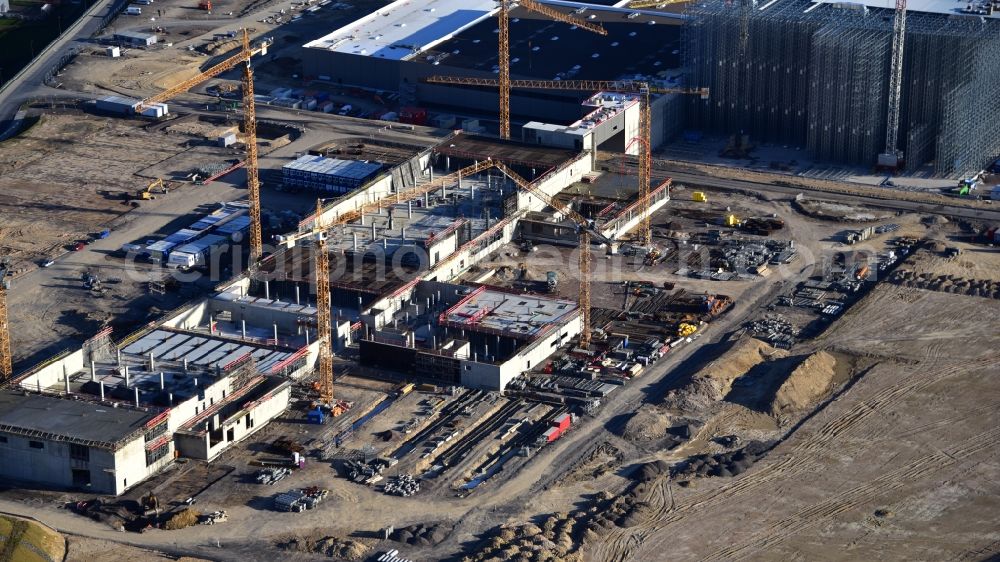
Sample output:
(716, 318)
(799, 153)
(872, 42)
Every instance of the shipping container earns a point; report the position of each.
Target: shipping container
(196, 253)
(551, 434)
(413, 115)
(117, 104)
(562, 422)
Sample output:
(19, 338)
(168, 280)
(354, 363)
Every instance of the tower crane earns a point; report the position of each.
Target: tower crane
(585, 229)
(319, 231)
(249, 126)
(892, 156)
(503, 59)
(643, 89)
(641, 4)
(6, 360)
(323, 321)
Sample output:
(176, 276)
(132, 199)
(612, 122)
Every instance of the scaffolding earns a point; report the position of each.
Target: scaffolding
(816, 76)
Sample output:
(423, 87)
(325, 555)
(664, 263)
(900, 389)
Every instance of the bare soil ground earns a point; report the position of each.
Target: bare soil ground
(908, 469)
(59, 179)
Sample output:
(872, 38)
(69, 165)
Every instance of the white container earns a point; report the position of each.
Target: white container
(114, 52)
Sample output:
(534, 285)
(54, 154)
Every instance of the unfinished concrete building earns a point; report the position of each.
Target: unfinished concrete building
(110, 414)
(478, 337)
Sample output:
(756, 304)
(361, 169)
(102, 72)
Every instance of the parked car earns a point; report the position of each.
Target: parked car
(79, 246)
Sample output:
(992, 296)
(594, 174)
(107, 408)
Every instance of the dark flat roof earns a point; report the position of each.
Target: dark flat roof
(632, 46)
(512, 153)
(69, 420)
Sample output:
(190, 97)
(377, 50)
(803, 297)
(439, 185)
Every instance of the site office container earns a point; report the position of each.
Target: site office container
(562, 422)
(552, 433)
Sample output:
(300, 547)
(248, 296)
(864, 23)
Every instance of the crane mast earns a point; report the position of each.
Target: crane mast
(6, 360)
(249, 127)
(323, 320)
(643, 89)
(250, 140)
(503, 53)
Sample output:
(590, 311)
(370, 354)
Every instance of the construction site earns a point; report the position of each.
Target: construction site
(429, 281)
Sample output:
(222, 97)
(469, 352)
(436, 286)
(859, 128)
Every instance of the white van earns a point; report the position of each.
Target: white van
(133, 11)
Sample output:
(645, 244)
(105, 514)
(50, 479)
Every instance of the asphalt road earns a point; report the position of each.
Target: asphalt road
(29, 83)
(988, 215)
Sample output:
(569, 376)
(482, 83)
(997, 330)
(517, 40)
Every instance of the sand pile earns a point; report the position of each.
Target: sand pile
(715, 380)
(809, 382)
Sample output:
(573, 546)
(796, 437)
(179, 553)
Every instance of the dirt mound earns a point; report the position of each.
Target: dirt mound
(715, 380)
(809, 381)
(837, 211)
(648, 423)
(182, 520)
(344, 549)
(651, 471)
(422, 535)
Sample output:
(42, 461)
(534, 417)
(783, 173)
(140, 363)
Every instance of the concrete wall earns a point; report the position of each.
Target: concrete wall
(130, 464)
(54, 373)
(620, 226)
(243, 424)
(52, 466)
(497, 376)
(189, 318)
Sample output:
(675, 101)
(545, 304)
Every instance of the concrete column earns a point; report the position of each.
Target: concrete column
(447, 163)
(307, 336)
(409, 209)
(373, 231)
(267, 290)
(152, 361)
(137, 397)
(102, 391)
(196, 384)
(243, 324)
(427, 199)
(275, 332)
(162, 386)
(170, 399)
(402, 233)
(93, 371)
(185, 364)
(118, 357)
(354, 236)
(385, 243)
(434, 342)
(431, 170)
(126, 377)
(362, 219)
(66, 379)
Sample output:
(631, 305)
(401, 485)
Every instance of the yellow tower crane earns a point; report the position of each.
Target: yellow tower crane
(641, 4)
(318, 231)
(585, 230)
(249, 126)
(323, 320)
(643, 89)
(503, 59)
(6, 360)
